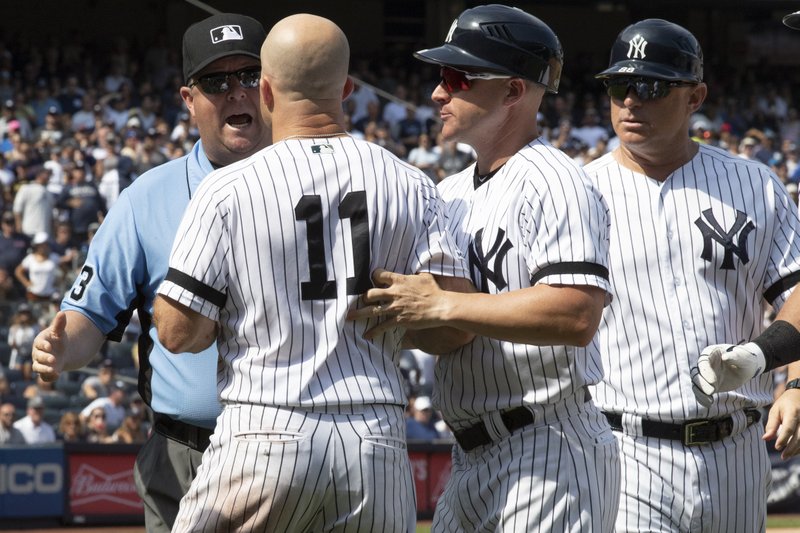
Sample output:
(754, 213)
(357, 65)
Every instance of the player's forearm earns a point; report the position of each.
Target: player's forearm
(793, 371)
(81, 340)
(542, 315)
(439, 341)
(180, 329)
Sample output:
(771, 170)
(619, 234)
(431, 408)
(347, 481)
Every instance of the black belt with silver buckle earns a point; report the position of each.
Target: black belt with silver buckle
(690, 433)
(513, 419)
(195, 437)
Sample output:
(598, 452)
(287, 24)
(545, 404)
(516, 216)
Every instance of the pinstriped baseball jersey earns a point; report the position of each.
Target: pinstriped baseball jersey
(279, 246)
(537, 220)
(692, 260)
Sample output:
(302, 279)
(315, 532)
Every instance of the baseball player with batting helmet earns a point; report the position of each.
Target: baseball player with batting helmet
(128, 259)
(533, 451)
(271, 254)
(726, 367)
(700, 238)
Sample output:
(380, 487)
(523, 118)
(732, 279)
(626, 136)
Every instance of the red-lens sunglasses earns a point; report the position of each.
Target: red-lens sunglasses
(456, 80)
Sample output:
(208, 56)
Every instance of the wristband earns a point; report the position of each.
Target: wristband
(780, 343)
(794, 384)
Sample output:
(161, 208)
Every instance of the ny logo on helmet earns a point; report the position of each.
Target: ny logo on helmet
(713, 231)
(636, 48)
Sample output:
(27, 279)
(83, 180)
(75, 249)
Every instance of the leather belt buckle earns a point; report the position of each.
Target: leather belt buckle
(698, 433)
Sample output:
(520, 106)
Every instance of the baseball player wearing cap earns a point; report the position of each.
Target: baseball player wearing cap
(700, 239)
(271, 254)
(534, 453)
(128, 258)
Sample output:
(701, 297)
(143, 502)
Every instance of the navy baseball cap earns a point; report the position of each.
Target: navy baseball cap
(222, 35)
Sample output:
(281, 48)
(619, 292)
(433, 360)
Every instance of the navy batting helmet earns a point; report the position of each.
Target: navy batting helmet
(792, 20)
(502, 40)
(656, 48)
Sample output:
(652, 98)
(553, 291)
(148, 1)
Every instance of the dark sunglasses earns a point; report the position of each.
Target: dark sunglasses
(645, 88)
(218, 82)
(456, 80)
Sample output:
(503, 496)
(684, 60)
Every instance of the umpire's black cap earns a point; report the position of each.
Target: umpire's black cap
(656, 48)
(222, 35)
(792, 20)
(504, 40)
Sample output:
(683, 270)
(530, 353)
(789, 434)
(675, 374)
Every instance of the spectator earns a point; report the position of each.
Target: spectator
(130, 432)
(99, 386)
(424, 157)
(64, 246)
(6, 394)
(8, 433)
(13, 244)
(70, 428)
(71, 96)
(83, 202)
(421, 424)
(95, 423)
(359, 102)
(590, 133)
(42, 102)
(33, 204)
(85, 119)
(113, 405)
(409, 129)
(395, 110)
(50, 133)
(451, 160)
(33, 427)
(39, 271)
(20, 338)
(373, 116)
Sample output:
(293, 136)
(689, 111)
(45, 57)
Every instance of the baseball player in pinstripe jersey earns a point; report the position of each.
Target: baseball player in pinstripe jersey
(726, 367)
(271, 254)
(699, 239)
(534, 453)
(128, 258)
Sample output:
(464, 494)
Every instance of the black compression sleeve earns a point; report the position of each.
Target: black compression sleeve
(780, 343)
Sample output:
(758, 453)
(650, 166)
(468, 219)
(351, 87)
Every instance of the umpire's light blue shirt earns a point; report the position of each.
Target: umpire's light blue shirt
(127, 260)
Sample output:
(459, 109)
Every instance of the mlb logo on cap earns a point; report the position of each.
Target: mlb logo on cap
(229, 32)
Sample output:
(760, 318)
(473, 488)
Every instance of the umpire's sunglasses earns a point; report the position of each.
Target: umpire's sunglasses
(219, 82)
(456, 80)
(645, 88)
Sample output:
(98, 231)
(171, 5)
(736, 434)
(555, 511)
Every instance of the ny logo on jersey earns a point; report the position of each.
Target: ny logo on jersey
(636, 47)
(714, 232)
(480, 261)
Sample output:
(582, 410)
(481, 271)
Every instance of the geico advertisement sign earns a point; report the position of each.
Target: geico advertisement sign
(21, 478)
(32, 481)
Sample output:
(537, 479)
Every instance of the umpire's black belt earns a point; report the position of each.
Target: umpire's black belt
(194, 437)
(513, 419)
(691, 432)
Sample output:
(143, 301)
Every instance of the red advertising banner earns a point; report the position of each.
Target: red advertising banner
(102, 485)
(431, 470)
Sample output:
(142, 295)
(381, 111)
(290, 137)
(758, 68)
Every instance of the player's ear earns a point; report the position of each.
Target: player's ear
(348, 88)
(697, 96)
(516, 88)
(266, 93)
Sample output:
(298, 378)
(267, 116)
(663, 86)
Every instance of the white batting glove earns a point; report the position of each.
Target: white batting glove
(725, 367)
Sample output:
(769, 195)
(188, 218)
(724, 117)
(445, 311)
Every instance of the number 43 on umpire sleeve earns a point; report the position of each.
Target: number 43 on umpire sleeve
(353, 207)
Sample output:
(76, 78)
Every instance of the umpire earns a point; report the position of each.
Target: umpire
(128, 259)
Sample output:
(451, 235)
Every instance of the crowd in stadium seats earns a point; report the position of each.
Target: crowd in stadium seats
(79, 124)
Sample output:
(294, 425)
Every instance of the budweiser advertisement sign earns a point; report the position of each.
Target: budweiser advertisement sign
(103, 484)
